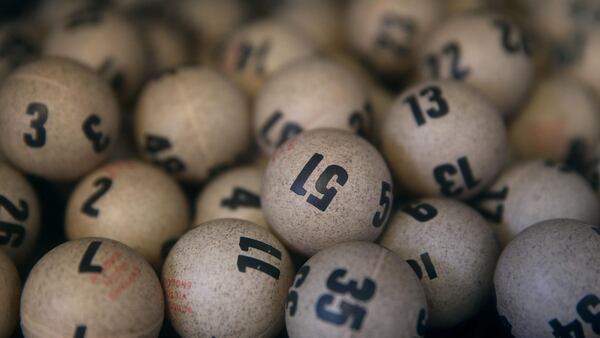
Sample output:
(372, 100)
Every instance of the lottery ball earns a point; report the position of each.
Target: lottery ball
(131, 202)
(10, 290)
(486, 51)
(560, 120)
(20, 218)
(167, 46)
(92, 287)
(557, 20)
(313, 93)
(320, 20)
(546, 280)
(104, 41)
(535, 191)
(453, 251)
(190, 121)
(356, 289)
(387, 33)
(444, 139)
(58, 119)
(227, 278)
(210, 22)
(232, 194)
(16, 48)
(326, 186)
(255, 51)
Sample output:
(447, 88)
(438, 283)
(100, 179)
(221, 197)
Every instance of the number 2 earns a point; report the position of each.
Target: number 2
(88, 208)
(9, 229)
(453, 52)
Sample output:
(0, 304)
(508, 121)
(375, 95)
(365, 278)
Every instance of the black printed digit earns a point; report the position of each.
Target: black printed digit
(292, 298)
(99, 141)
(434, 95)
(104, 184)
(341, 177)
(513, 40)
(109, 70)
(86, 265)
(385, 200)
(241, 198)
(80, 331)
(391, 26)
(332, 172)
(289, 129)
(347, 310)
(422, 212)
(39, 112)
(249, 54)
(156, 145)
(452, 52)
(443, 175)
(500, 196)
(584, 307)
(427, 264)
(244, 261)
(19, 213)
(364, 292)
(7, 230)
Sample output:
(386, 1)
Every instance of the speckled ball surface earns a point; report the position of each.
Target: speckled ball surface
(310, 94)
(92, 287)
(17, 46)
(167, 46)
(356, 289)
(320, 20)
(453, 251)
(547, 280)
(104, 41)
(210, 23)
(387, 33)
(444, 139)
(535, 191)
(227, 278)
(58, 119)
(191, 120)
(233, 194)
(10, 290)
(131, 202)
(560, 116)
(20, 220)
(326, 186)
(257, 50)
(487, 51)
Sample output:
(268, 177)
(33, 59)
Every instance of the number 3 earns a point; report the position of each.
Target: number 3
(40, 112)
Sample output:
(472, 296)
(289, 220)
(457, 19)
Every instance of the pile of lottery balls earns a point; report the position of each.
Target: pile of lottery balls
(301, 168)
